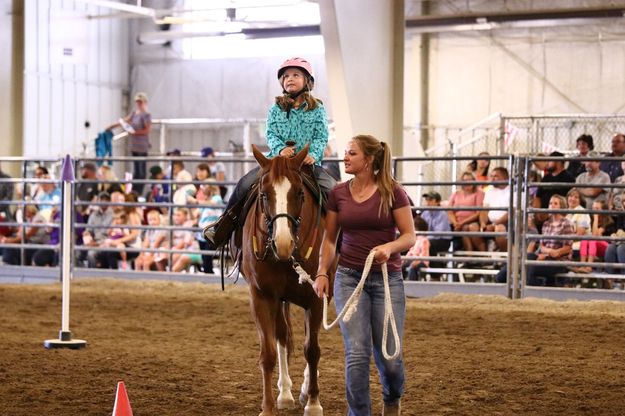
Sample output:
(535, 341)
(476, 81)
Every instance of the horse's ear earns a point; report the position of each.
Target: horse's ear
(298, 159)
(259, 156)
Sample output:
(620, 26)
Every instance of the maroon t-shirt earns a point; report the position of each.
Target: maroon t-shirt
(362, 228)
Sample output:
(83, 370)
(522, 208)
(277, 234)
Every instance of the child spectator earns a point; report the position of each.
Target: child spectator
(602, 225)
(118, 232)
(183, 240)
(617, 200)
(153, 239)
(580, 220)
(421, 248)
(208, 214)
(100, 217)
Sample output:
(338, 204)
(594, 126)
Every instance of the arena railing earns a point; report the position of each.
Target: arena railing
(517, 235)
(570, 276)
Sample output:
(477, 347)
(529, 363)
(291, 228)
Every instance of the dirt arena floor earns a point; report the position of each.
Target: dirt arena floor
(190, 349)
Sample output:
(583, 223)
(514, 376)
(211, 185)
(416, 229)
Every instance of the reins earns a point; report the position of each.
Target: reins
(351, 304)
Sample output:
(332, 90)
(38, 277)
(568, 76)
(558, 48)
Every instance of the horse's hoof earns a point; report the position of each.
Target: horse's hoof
(303, 398)
(313, 410)
(285, 401)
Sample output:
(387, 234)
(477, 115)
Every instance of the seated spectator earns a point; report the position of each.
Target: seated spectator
(496, 196)
(108, 180)
(208, 214)
(464, 220)
(615, 253)
(50, 196)
(115, 236)
(47, 257)
(332, 167)
(100, 218)
(183, 240)
(613, 167)
(180, 174)
(157, 192)
(616, 200)
(6, 193)
(580, 219)
(35, 188)
(479, 168)
(32, 235)
(437, 220)
(593, 176)
(556, 225)
(131, 237)
(202, 173)
(555, 174)
(218, 169)
(86, 191)
(421, 248)
(591, 250)
(584, 145)
(153, 239)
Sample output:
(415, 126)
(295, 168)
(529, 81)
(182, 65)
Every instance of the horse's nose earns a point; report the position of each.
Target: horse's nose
(284, 246)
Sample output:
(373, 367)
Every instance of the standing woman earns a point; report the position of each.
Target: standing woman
(368, 209)
(141, 122)
(296, 117)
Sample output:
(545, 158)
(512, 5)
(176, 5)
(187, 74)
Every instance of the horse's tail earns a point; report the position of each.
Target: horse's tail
(285, 334)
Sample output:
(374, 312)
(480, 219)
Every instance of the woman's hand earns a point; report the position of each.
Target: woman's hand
(382, 253)
(309, 160)
(321, 285)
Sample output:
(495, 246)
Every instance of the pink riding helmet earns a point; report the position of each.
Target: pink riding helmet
(299, 63)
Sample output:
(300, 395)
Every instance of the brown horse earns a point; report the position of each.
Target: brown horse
(283, 229)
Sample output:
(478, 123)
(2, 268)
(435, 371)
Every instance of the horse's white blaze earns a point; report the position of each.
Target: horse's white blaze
(282, 237)
(285, 398)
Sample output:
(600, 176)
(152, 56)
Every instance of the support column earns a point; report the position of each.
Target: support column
(11, 82)
(364, 51)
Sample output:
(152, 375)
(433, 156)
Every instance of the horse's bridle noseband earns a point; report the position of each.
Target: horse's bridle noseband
(270, 221)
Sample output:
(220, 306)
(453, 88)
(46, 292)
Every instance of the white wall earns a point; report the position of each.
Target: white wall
(60, 97)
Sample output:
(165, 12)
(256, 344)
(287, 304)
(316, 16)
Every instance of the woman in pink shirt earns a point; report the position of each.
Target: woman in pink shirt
(464, 220)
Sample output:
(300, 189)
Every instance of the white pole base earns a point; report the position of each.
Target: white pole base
(65, 341)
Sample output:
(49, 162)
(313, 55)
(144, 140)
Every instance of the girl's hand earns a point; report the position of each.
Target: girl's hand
(321, 285)
(309, 160)
(382, 253)
(287, 152)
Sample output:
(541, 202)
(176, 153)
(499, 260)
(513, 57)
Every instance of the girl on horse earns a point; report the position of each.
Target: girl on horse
(368, 209)
(295, 120)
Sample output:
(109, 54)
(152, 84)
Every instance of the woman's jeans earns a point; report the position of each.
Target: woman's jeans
(139, 171)
(615, 253)
(363, 333)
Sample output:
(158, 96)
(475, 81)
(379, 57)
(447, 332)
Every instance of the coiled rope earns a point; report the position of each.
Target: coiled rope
(351, 304)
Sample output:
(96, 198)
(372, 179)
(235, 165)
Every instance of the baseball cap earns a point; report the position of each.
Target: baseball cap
(206, 151)
(155, 170)
(432, 195)
(89, 166)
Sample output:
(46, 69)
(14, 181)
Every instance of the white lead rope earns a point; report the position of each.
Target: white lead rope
(352, 302)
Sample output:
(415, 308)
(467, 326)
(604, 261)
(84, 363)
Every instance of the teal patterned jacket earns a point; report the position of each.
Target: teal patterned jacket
(304, 127)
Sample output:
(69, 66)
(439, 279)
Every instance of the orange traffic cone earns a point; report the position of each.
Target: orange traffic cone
(122, 404)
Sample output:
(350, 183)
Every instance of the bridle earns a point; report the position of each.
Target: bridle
(270, 220)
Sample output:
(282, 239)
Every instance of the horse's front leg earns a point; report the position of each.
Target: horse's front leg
(264, 312)
(312, 351)
(285, 397)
